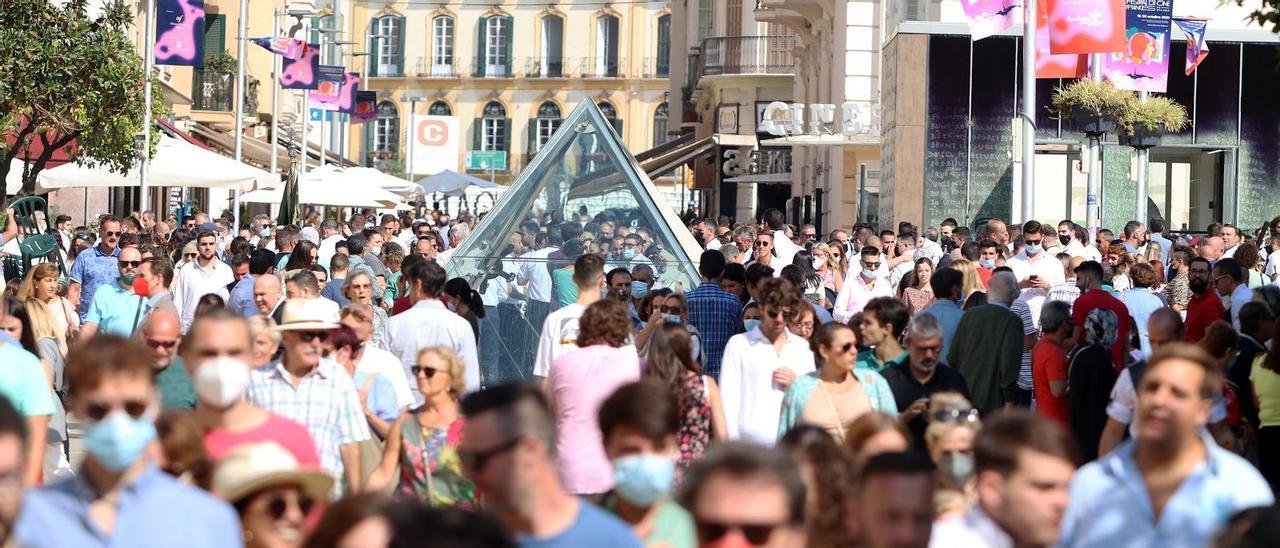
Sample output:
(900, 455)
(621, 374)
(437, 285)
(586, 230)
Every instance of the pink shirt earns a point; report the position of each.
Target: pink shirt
(290, 435)
(577, 384)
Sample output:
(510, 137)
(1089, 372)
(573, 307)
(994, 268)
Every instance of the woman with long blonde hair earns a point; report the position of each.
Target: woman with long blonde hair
(970, 283)
(52, 316)
(827, 267)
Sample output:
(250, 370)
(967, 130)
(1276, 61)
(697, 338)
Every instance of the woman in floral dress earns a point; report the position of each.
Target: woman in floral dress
(701, 415)
(421, 454)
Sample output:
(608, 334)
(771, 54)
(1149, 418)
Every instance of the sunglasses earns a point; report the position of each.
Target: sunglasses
(756, 533)
(308, 336)
(423, 370)
(786, 312)
(475, 460)
(872, 266)
(161, 344)
(1033, 243)
(956, 415)
(761, 243)
(278, 505)
(189, 255)
(131, 264)
(134, 408)
(109, 234)
(671, 309)
(843, 349)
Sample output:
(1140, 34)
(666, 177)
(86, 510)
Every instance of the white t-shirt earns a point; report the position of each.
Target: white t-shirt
(559, 336)
(377, 361)
(1273, 265)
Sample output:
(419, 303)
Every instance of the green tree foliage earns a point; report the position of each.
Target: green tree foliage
(71, 77)
(1266, 12)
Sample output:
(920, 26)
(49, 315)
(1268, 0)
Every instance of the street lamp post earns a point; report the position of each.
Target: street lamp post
(410, 135)
(150, 54)
(240, 62)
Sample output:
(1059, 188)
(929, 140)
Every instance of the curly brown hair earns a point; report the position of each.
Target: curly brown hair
(1247, 255)
(604, 322)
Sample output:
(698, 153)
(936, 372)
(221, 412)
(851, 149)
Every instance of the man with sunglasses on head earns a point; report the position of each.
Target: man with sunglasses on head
(306, 387)
(119, 497)
(115, 308)
(206, 274)
(760, 364)
(742, 494)
(508, 450)
(96, 267)
(866, 280)
(161, 335)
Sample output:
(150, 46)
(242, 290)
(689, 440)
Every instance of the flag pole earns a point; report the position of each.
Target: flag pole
(1144, 158)
(276, 65)
(240, 62)
(144, 164)
(1028, 109)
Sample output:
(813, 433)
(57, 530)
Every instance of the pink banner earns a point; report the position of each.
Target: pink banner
(1086, 26)
(1048, 65)
(988, 17)
(1144, 63)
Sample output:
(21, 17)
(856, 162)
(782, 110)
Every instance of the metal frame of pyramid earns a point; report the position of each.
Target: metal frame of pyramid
(482, 252)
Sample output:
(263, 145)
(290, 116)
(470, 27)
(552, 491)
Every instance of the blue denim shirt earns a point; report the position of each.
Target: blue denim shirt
(155, 510)
(1110, 505)
(92, 270)
(240, 300)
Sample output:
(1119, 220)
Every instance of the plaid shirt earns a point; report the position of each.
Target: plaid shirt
(717, 314)
(325, 402)
(1066, 292)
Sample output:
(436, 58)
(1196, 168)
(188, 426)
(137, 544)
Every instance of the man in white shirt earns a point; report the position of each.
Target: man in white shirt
(330, 235)
(1070, 242)
(760, 364)
(429, 323)
(1230, 280)
(783, 247)
(457, 234)
(533, 272)
(1036, 269)
(864, 282)
(1232, 239)
(906, 248)
(560, 330)
(200, 277)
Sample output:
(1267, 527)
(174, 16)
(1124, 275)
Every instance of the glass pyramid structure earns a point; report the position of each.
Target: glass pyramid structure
(583, 173)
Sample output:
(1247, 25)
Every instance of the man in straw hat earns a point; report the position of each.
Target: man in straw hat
(314, 391)
(272, 492)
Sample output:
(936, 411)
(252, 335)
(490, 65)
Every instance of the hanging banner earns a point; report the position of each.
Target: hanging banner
(1048, 65)
(1086, 26)
(366, 107)
(347, 95)
(1143, 65)
(328, 91)
(437, 143)
(284, 46)
(303, 72)
(180, 32)
(987, 17)
(1197, 47)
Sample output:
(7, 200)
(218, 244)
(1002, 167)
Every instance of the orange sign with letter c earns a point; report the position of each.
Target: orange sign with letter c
(433, 132)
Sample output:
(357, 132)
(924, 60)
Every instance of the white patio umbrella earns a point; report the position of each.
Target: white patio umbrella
(363, 177)
(328, 193)
(176, 163)
(451, 182)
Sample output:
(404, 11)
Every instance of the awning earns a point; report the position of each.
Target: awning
(176, 163)
(253, 150)
(665, 163)
(313, 152)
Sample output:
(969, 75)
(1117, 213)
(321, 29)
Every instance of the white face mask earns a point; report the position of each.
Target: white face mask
(221, 381)
(818, 262)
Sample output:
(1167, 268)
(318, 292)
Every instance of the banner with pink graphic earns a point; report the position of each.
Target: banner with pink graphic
(1048, 65)
(303, 72)
(366, 107)
(988, 17)
(1197, 47)
(1143, 64)
(284, 46)
(1086, 26)
(180, 32)
(329, 90)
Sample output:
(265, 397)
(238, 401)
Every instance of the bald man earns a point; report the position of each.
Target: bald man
(1211, 248)
(162, 332)
(998, 231)
(269, 297)
(115, 307)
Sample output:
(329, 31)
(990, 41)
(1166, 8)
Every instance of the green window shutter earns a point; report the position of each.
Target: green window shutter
(509, 30)
(506, 139)
(477, 134)
(531, 131)
(373, 47)
(400, 32)
(215, 35)
(481, 28)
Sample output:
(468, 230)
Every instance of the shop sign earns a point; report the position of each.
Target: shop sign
(851, 119)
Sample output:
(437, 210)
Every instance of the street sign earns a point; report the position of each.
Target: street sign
(487, 160)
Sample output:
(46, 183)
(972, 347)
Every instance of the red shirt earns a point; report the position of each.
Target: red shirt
(1049, 363)
(1202, 310)
(1094, 299)
(293, 437)
(984, 275)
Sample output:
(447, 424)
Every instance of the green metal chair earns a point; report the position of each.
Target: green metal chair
(34, 243)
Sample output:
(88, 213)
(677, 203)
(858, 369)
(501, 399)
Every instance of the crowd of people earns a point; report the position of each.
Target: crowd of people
(328, 384)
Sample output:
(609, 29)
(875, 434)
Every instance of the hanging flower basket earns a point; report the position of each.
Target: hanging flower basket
(1091, 106)
(1142, 137)
(1086, 120)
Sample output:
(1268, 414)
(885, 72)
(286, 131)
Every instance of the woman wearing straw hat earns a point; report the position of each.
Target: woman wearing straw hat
(271, 493)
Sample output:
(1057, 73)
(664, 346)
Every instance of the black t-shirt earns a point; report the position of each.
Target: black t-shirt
(906, 389)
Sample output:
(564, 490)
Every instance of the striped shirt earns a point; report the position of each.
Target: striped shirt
(1028, 328)
(324, 401)
(717, 314)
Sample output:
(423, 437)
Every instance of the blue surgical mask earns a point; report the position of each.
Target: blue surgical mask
(751, 324)
(643, 479)
(265, 233)
(638, 289)
(868, 274)
(984, 263)
(628, 253)
(672, 318)
(1033, 249)
(956, 467)
(117, 440)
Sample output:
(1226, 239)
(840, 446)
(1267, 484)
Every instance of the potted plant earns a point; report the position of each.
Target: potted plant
(1143, 123)
(221, 63)
(1092, 107)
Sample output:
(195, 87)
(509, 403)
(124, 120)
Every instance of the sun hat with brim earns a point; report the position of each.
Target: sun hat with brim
(307, 315)
(250, 468)
(211, 227)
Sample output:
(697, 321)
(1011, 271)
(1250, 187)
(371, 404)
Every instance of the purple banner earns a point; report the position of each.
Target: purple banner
(1143, 64)
(284, 46)
(1197, 47)
(366, 107)
(303, 72)
(987, 17)
(180, 32)
(328, 92)
(347, 95)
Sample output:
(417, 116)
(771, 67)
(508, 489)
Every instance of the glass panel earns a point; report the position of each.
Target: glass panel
(442, 38)
(520, 289)
(439, 108)
(495, 47)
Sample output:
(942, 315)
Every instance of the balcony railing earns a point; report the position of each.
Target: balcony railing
(600, 67)
(425, 67)
(748, 55)
(653, 67)
(211, 91)
(537, 67)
